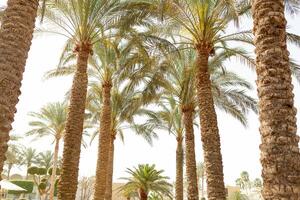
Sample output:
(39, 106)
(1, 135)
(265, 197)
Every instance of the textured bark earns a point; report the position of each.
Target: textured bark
(74, 127)
(104, 144)
(280, 155)
(209, 130)
(109, 181)
(143, 195)
(191, 166)
(179, 170)
(15, 40)
(54, 169)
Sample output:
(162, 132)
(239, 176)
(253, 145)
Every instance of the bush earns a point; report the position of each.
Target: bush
(57, 171)
(37, 171)
(27, 185)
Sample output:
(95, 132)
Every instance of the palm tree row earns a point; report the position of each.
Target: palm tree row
(146, 27)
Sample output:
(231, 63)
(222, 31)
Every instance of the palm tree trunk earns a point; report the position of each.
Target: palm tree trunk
(15, 40)
(179, 170)
(8, 171)
(191, 166)
(53, 176)
(109, 181)
(209, 130)
(74, 127)
(202, 184)
(143, 195)
(104, 143)
(280, 155)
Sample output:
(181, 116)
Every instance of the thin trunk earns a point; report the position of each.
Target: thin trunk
(109, 181)
(191, 166)
(179, 170)
(104, 143)
(202, 184)
(53, 176)
(209, 130)
(74, 127)
(280, 155)
(8, 171)
(15, 40)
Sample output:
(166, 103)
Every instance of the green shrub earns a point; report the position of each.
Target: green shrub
(57, 171)
(42, 186)
(37, 171)
(27, 185)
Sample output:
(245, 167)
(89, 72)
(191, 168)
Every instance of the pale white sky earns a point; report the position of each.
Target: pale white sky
(240, 146)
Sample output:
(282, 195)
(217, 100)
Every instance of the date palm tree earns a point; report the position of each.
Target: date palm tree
(146, 179)
(83, 22)
(16, 32)
(28, 157)
(276, 99)
(50, 121)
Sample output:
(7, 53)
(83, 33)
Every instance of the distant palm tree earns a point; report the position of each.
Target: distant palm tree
(13, 154)
(28, 157)
(201, 176)
(45, 160)
(50, 121)
(146, 179)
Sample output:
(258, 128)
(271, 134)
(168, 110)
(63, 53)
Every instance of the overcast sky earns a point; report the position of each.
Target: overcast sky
(240, 146)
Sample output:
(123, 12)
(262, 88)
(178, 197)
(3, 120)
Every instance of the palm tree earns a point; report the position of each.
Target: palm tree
(45, 160)
(276, 99)
(202, 24)
(83, 22)
(16, 33)
(182, 101)
(28, 156)
(50, 121)
(201, 176)
(146, 179)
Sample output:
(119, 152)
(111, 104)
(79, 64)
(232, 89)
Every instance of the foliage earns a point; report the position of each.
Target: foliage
(145, 178)
(238, 196)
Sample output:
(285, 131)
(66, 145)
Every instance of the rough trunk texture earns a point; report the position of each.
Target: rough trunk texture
(54, 169)
(280, 155)
(143, 195)
(209, 130)
(191, 166)
(74, 127)
(179, 170)
(104, 144)
(109, 181)
(15, 40)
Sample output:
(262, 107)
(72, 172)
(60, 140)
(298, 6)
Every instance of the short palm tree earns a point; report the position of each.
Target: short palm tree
(146, 179)
(28, 157)
(276, 99)
(50, 121)
(83, 22)
(45, 160)
(16, 32)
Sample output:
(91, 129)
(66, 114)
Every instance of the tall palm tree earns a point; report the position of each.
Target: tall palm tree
(16, 32)
(182, 101)
(145, 179)
(83, 22)
(50, 121)
(276, 99)
(28, 156)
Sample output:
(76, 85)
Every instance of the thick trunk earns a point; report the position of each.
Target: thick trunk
(143, 195)
(209, 131)
(280, 155)
(53, 176)
(179, 170)
(104, 144)
(109, 181)
(15, 40)
(191, 166)
(74, 128)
